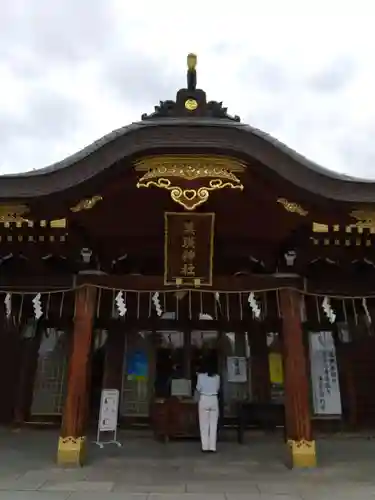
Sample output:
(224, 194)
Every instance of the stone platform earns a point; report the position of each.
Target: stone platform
(144, 469)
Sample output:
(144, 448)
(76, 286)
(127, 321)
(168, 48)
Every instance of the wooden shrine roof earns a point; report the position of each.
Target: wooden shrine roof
(216, 135)
(189, 124)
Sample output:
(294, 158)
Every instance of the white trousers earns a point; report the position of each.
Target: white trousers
(208, 417)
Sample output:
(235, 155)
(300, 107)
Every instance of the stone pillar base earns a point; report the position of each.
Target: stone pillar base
(301, 453)
(71, 451)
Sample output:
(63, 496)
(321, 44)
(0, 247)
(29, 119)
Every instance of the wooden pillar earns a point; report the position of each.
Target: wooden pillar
(72, 442)
(301, 445)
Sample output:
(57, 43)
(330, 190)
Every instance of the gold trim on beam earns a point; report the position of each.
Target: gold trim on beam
(358, 228)
(58, 223)
(320, 228)
(53, 224)
(173, 172)
(190, 166)
(86, 204)
(13, 213)
(365, 218)
(292, 207)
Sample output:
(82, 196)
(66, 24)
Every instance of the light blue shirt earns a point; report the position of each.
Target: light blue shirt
(208, 386)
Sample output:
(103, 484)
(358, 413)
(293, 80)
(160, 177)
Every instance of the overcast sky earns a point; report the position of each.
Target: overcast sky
(73, 70)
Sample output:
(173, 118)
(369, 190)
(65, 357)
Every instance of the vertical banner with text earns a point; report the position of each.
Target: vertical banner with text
(188, 248)
(324, 374)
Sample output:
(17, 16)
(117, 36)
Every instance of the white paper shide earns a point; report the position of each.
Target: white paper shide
(324, 374)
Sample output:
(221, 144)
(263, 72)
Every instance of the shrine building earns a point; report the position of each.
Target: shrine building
(183, 235)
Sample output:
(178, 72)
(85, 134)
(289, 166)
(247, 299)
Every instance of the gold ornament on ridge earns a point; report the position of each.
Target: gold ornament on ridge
(173, 172)
(191, 104)
(192, 61)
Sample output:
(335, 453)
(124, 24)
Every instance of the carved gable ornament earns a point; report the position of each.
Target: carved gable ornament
(189, 179)
(365, 218)
(13, 213)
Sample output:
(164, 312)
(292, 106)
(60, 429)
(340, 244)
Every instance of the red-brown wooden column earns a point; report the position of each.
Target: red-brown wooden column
(301, 445)
(72, 442)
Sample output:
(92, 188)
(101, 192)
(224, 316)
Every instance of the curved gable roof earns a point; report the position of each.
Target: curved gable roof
(174, 124)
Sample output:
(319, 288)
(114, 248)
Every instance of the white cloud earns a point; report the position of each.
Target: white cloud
(71, 72)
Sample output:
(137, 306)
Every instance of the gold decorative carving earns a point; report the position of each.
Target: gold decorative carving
(71, 450)
(365, 218)
(191, 104)
(177, 173)
(292, 207)
(303, 453)
(13, 213)
(86, 204)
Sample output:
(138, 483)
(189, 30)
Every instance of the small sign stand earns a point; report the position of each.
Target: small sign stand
(108, 416)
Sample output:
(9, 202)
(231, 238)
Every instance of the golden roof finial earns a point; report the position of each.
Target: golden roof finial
(191, 61)
(191, 72)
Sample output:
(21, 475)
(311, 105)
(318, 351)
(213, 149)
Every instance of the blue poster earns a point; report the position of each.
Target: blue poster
(137, 365)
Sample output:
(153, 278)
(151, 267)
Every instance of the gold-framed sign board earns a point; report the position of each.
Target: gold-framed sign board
(188, 248)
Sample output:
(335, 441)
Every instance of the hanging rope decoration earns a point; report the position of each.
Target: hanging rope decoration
(254, 305)
(8, 305)
(157, 304)
(120, 303)
(328, 311)
(37, 305)
(367, 312)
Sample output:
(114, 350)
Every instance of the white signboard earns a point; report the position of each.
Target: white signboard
(181, 387)
(236, 369)
(108, 415)
(108, 410)
(324, 374)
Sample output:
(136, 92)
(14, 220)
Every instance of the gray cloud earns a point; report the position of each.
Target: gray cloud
(269, 76)
(48, 121)
(112, 70)
(335, 77)
(47, 115)
(358, 149)
(139, 79)
(52, 115)
(56, 31)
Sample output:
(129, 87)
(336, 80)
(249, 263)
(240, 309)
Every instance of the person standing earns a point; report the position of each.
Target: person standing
(208, 385)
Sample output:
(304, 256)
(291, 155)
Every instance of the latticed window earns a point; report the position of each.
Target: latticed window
(135, 390)
(51, 376)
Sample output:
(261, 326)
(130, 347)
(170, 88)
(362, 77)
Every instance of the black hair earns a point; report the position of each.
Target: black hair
(208, 366)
